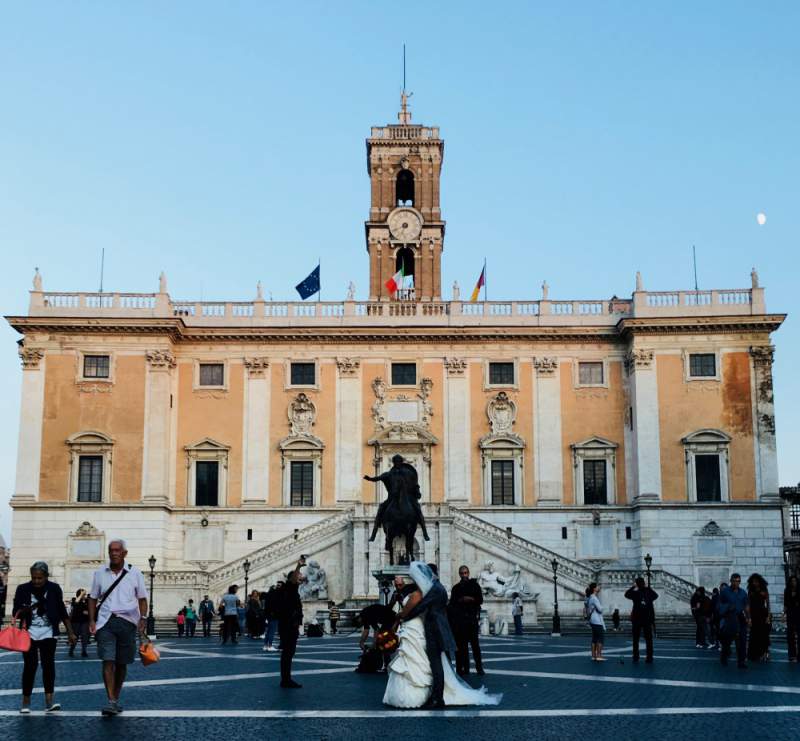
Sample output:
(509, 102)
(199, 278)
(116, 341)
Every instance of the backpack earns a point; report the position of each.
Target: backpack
(371, 661)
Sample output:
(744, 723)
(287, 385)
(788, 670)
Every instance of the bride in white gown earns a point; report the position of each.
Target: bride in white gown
(410, 678)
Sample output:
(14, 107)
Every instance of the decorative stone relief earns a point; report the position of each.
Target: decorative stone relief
(425, 387)
(502, 412)
(639, 359)
(711, 530)
(348, 367)
(256, 367)
(455, 366)
(545, 366)
(30, 357)
(763, 356)
(160, 359)
(94, 388)
(302, 414)
(378, 412)
(85, 529)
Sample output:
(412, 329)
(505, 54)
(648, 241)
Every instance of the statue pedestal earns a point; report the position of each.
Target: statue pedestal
(385, 576)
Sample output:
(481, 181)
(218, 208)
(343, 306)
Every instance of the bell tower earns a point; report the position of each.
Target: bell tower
(405, 227)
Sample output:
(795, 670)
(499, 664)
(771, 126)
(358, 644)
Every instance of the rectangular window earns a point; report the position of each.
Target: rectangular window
(90, 478)
(794, 512)
(404, 374)
(249, 533)
(96, 366)
(501, 374)
(212, 374)
(706, 469)
(590, 374)
(594, 482)
(302, 484)
(703, 365)
(502, 482)
(628, 532)
(206, 483)
(303, 374)
(563, 533)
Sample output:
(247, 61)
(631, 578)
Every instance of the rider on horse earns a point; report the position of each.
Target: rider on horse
(400, 479)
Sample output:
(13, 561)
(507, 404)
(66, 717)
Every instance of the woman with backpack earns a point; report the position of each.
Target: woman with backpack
(593, 611)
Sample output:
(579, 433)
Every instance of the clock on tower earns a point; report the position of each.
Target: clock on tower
(405, 227)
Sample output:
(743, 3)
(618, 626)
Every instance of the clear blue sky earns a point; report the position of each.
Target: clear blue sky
(224, 143)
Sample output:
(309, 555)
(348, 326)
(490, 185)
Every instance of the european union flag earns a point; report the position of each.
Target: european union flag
(310, 285)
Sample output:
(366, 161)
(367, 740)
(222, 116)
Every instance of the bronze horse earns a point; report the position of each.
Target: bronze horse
(400, 514)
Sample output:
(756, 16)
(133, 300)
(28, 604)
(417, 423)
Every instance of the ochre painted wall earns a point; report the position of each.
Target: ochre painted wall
(589, 412)
(118, 413)
(688, 406)
(214, 414)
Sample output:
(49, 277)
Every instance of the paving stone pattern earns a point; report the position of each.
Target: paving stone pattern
(551, 689)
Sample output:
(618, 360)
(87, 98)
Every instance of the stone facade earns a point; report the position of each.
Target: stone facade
(585, 432)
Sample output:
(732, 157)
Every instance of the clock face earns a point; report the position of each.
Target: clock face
(405, 224)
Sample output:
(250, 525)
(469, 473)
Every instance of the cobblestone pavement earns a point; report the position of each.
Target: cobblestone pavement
(550, 689)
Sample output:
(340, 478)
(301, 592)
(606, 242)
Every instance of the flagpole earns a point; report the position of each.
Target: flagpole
(485, 282)
(319, 268)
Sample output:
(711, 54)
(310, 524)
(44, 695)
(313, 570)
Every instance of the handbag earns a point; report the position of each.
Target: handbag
(13, 638)
(148, 653)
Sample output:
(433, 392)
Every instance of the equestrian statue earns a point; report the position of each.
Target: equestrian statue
(400, 513)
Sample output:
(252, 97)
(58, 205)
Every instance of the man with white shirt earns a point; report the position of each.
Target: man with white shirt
(117, 606)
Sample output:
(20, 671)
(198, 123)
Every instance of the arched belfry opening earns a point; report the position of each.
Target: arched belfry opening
(405, 261)
(404, 188)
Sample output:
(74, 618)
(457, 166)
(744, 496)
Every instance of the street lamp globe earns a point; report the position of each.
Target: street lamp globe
(152, 562)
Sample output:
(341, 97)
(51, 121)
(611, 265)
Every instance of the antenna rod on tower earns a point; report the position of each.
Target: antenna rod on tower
(404, 67)
(694, 261)
(102, 266)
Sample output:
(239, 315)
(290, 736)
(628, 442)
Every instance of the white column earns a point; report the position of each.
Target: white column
(348, 430)
(548, 456)
(31, 416)
(764, 413)
(157, 426)
(255, 476)
(457, 478)
(646, 438)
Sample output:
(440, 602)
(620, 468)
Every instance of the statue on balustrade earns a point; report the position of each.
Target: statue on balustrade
(400, 513)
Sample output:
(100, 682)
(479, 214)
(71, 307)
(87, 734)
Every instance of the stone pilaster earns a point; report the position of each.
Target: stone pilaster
(255, 484)
(457, 478)
(157, 426)
(548, 456)
(764, 413)
(29, 449)
(646, 439)
(348, 430)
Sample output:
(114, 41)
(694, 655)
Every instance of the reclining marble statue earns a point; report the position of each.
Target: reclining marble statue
(400, 513)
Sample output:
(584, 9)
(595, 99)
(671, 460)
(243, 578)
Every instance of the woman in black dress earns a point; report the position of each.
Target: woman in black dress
(758, 596)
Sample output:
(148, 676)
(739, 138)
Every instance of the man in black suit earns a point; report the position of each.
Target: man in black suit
(643, 617)
(464, 611)
(438, 636)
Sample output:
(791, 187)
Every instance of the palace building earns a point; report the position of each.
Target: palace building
(575, 435)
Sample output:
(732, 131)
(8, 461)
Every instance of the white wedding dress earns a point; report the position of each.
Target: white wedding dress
(410, 678)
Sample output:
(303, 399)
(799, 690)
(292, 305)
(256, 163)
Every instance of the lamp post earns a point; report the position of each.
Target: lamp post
(151, 621)
(556, 617)
(246, 567)
(648, 560)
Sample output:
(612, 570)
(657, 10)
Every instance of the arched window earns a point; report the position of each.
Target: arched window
(405, 261)
(404, 188)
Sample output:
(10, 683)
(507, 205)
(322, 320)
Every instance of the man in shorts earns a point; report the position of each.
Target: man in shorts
(117, 606)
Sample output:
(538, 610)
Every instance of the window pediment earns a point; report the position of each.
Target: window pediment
(508, 440)
(706, 436)
(89, 437)
(594, 443)
(207, 444)
(410, 434)
(301, 442)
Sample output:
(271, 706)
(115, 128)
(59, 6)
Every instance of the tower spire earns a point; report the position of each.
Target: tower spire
(404, 117)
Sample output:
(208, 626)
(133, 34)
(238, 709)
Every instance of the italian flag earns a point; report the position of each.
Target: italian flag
(395, 283)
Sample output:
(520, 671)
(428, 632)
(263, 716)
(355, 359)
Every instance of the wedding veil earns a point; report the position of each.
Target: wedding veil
(422, 575)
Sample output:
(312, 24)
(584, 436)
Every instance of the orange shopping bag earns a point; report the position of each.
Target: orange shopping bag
(13, 638)
(148, 653)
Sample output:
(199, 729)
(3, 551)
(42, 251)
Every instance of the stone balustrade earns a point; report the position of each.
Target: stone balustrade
(543, 312)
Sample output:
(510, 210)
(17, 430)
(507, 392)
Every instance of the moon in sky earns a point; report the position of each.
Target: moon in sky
(761, 218)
